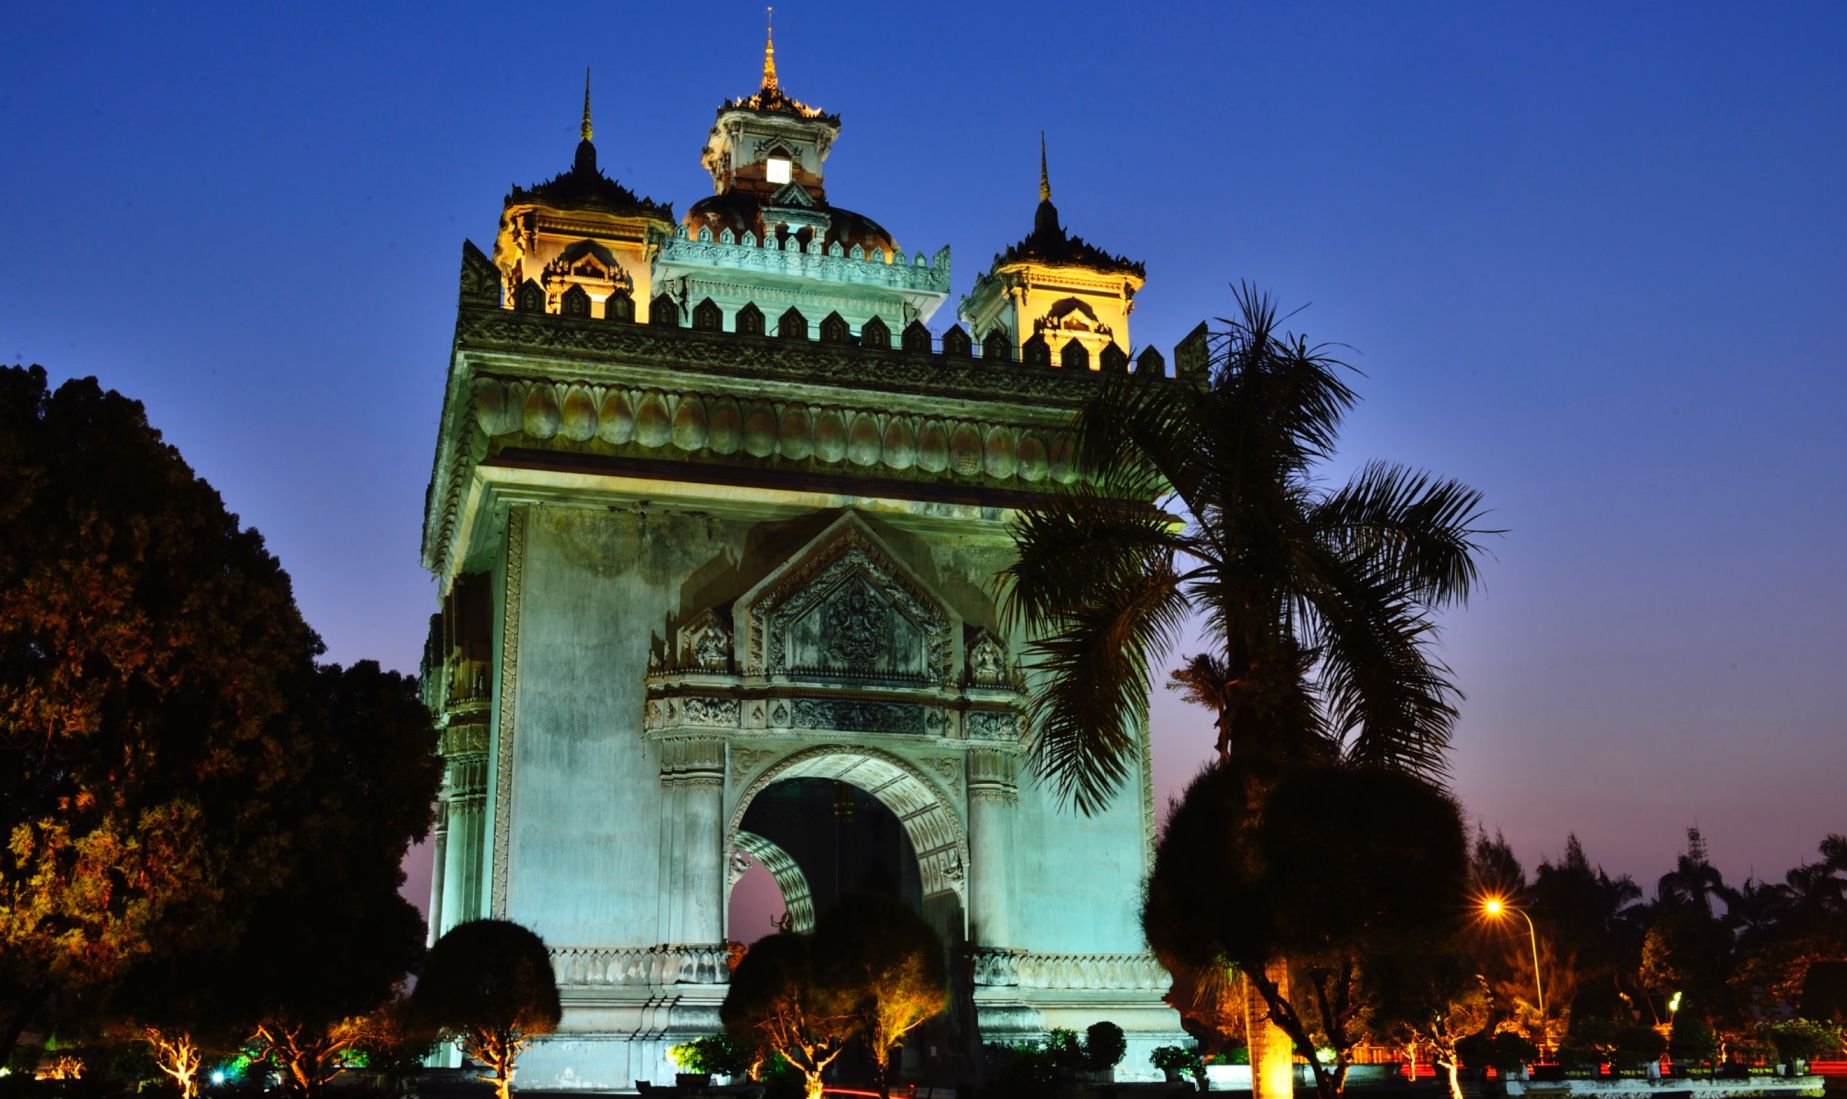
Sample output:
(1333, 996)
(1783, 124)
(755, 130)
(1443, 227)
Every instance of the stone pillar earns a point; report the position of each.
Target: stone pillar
(465, 851)
(993, 796)
(693, 864)
(439, 843)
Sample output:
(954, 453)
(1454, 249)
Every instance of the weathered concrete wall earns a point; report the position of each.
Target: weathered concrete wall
(584, 865)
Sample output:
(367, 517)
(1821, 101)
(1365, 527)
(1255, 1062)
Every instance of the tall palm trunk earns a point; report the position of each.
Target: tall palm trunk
(1272, 1052)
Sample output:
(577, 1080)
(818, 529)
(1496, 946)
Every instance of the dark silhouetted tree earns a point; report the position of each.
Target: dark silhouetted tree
(489, 985)
(779, 1002)
(154, 681)
(1317, 873)
(1317, 604)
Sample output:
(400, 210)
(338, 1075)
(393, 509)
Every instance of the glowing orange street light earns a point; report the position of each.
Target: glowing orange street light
(1494, 908)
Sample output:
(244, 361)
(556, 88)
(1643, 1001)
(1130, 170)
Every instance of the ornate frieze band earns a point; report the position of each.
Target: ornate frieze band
(724, 426)
(509, 691)
(1083, 972)
(648, 967)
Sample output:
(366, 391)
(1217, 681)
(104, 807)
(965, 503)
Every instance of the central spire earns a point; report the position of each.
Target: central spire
(1045, 179)
(584, 130)
(769, 49)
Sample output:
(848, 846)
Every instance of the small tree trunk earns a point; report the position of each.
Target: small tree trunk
(1272, 1052)
(811, 1084)
(1455, 1078)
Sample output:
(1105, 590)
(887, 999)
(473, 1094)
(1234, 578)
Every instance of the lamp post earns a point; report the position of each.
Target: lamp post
(1495, 908)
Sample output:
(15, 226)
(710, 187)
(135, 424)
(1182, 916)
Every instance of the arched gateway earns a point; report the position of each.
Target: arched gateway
(701, 573)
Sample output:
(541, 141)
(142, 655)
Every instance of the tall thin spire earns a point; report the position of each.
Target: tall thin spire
(1045, 179)
(769, 49)
(584, 130)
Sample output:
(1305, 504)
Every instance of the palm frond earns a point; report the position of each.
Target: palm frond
(1089, 699)
(1140, 436)
(1411, 525)
(1389, 701)
(1076, 547)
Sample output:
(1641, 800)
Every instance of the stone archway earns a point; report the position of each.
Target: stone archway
(790, 880)
(924, 810)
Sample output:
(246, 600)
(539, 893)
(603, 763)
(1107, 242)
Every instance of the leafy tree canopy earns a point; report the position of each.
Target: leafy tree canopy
(881, 958)
(490, 984)
(1315, 872)
(153, 670)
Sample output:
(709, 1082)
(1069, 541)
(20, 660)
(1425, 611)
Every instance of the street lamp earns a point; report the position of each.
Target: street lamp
(1494, 908)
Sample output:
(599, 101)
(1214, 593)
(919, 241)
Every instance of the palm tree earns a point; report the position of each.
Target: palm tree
(1202, 499)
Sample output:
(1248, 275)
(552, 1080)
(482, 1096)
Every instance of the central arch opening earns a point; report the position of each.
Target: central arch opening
(820, 839)
(835, 820)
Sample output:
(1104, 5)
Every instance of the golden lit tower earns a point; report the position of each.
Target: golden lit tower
(1054, 285)
(578, 244)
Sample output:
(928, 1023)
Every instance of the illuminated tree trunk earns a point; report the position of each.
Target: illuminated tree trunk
(178, 1056)
(1272, 1052)
(1454, 1077)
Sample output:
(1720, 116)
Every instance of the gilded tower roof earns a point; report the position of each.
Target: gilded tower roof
(769, 98)
(585, 187)
(1049, 243)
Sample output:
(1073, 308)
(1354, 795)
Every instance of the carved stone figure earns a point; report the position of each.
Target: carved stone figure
(712, 648)
(987, 663)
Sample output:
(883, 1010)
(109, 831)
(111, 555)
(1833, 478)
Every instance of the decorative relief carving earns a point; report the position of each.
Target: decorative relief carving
(846, 609)
(509, 692)
(710, 711)
(992, 725)
(653, 967)
(746, 760)
(854, 716)
(949, 769)
(740, 865)
(712, 648)
(987, 662)
(1090, 972)
(693, 761)
(469, 739)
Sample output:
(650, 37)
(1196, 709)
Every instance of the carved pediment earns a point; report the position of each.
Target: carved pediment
(844, 608)
(705, 643)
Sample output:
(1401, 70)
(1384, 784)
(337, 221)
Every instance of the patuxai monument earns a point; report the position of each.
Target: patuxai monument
(718, 524)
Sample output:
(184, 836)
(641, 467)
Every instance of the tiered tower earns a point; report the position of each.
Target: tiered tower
(718, 524)
(1054, 297)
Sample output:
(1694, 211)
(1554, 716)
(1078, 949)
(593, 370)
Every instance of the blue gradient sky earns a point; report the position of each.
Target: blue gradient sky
(1591, 257)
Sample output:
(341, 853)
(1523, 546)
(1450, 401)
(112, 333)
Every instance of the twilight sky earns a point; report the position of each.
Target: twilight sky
(1592, 259)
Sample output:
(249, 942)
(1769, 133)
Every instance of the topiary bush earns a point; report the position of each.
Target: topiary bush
(1104, 1046)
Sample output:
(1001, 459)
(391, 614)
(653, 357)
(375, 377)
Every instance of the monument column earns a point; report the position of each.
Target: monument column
(693, 775)
(464, 848)
(993, 795)
(439, 843)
